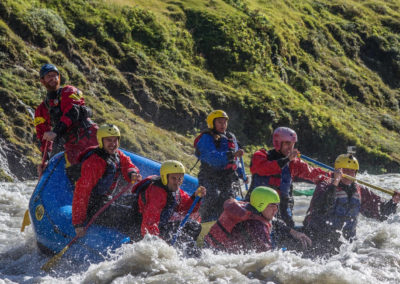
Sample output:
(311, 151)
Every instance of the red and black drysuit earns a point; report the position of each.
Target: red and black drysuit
(161, 211)
(334, 211)
(64, 112)
(275, 170)
(241, 228)
(100, 174)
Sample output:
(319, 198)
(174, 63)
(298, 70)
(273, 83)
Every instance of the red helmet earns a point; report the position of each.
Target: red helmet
(282, 134)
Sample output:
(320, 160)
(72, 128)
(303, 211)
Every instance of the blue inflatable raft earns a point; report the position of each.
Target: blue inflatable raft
(50, 209)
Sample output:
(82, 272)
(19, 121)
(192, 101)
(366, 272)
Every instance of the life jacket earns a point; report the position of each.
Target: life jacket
(343, 216)
(217, 138)
(285, 186)
(53, 104)
(234, 213)
(139, 191)
(111, 173)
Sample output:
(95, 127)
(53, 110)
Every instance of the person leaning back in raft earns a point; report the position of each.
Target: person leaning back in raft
(246, 226)
(336, 204)
(102, 167)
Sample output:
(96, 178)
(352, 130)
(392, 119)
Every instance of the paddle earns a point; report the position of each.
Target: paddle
(44, 158)
(304, 192)
(178, 232)
(27, 221)
(49, 264)
(388, 191)
(244, 175)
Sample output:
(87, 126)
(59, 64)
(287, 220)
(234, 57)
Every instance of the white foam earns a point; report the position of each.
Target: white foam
(373, 258)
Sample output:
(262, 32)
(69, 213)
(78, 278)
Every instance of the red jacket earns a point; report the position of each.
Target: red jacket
(42, 123)
(155, 210)
(93, 169)
(263, 165)
(68, 97)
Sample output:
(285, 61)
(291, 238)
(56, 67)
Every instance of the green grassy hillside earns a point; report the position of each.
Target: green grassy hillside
(328, 69)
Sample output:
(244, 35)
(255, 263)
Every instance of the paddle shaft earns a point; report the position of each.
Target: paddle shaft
(47, 266)
(244, 175)
(178, 232)
(44, 158)
(388, 191)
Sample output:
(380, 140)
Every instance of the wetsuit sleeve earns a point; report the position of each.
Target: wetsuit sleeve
(92, 170)
(373, 206)
(42, 124)
(280, 227)
(302, 170)
(262, 166)
(323, 198)
(156, 200)
(71, 100)
(239, 169)
(186, 203)
(127, 167)
(209, 153)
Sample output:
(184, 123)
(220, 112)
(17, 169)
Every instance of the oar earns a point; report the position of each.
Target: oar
(44, 158)
(244, 175)
(27, 221)
(49, 264)
(178, 232)
(388, 191)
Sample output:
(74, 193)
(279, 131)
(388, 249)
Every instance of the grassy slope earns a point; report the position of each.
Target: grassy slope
(325, 68)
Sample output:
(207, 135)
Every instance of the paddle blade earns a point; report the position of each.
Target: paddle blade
(49, 264)
(304, 192)
(205, 228)
(26, 221)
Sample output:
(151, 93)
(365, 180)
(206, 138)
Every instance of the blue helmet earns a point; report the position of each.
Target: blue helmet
(46, 68)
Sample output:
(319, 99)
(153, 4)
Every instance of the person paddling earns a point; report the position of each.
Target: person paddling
(247, 226)
(219, 154)
(278, 167)
(336, 205)
(162, 205)
(101, 169)
(63, 118)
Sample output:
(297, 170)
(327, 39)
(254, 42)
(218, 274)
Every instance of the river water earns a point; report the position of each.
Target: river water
(373, 258)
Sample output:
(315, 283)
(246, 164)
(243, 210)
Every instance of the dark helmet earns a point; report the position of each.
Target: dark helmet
(46, 68)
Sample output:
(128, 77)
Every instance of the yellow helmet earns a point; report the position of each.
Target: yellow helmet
(213, 115)
(346, 161)
(106, 130)
(170, 167)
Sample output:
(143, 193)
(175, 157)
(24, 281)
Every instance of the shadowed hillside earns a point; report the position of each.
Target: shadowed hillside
(328, 69)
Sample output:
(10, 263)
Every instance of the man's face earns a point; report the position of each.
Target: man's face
(348, 172)
(174, 181)
(221, 124)
(286, 147)
(270, 211)
(111, 144)
(51, 81)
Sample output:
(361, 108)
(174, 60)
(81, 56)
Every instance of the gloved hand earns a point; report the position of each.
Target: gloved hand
(302, 238)
(201, 191)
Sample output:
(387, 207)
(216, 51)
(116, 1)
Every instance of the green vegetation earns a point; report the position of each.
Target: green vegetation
(4, 177)
(328, 69)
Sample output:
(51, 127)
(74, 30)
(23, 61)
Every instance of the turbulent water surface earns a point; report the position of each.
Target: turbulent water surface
(373, 258)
